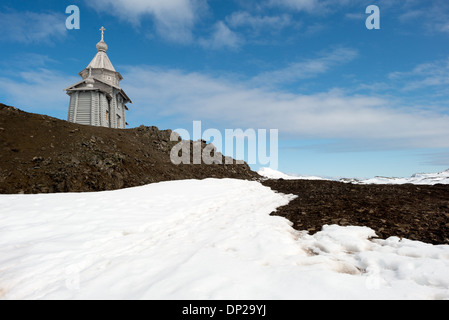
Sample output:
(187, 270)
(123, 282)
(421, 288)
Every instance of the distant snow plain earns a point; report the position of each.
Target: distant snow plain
(419, 178)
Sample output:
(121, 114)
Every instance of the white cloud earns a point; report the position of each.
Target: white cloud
(236, 104)
(431, 74)
(245, 19)
(173, 19)
(27, 61)
(430, 16)
(32, 27)
(410, 15)
(243, 27)
(300, 5)
(46, 87)
(308, 68)
(310, 6)
(368, 121)
(356, 16)
(222, 37)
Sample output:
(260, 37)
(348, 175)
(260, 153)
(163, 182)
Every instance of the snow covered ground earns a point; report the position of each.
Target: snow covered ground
(210, 239)
(419, 178)
(274, 174)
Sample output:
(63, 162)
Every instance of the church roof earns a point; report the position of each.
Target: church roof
(101, 61)
(80, 86)
(90, 81)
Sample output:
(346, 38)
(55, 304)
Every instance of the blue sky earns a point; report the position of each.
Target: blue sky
(348, 101)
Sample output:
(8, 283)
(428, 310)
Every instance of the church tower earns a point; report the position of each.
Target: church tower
(97, 100)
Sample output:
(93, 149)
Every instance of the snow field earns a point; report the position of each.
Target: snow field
(418, 179)
(274, 174)
(210, 239)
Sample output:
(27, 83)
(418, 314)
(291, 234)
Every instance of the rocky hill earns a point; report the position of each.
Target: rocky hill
(41, 154)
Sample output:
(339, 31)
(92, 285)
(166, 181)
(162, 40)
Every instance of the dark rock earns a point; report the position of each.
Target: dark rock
(390, 210)
(69, 157)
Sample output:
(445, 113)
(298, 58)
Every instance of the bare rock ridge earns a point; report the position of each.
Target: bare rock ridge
(41, 154)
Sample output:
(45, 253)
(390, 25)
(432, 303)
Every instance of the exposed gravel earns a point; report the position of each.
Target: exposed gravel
(408, 211)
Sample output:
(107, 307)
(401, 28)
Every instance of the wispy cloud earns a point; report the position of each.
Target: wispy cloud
(46, 86)
(355, 16)
(426, 16)
(426, 75)
(32, 27)
(330, 114)
(308, 68)
(28, 60)
(258, 22)
(222, 37)
(173, 19)
(299, 5)
(355, 122)
(431, 16)
(310, 6)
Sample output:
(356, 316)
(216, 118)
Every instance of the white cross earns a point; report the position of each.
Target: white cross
(102, 29)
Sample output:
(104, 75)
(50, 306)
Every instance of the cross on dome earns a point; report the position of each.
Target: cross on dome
(102, 46)
(102, 29)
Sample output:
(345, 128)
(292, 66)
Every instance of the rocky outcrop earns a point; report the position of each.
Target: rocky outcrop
(41, 154)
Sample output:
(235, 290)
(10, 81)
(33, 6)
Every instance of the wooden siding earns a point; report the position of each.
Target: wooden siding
(83, 112)
(104, 108)
(72, 106)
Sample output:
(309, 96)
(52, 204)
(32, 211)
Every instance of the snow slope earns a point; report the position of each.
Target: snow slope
(211, 239)
(419, 178)
(274, 174)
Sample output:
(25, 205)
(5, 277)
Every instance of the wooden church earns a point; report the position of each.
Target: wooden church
(98, 100)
